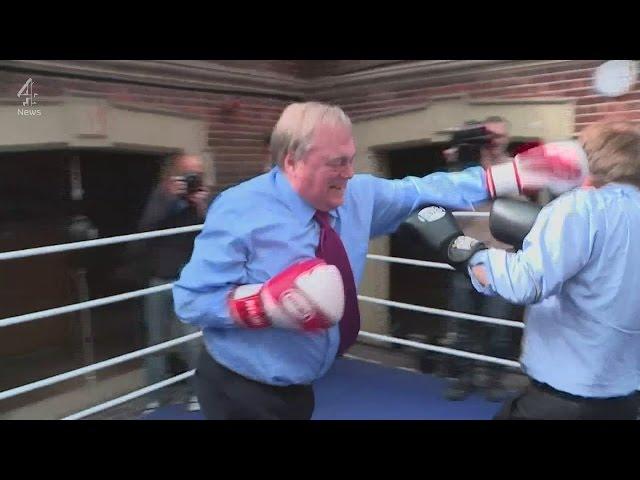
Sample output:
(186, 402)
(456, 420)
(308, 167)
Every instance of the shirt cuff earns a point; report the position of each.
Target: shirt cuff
(481, 258)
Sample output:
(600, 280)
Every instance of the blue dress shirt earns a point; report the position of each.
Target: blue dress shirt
(260, 227)
(579, 269)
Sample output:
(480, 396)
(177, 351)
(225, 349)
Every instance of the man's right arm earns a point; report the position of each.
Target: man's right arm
(558, 246)
(561, 164)
(217, 265)
(395, 200)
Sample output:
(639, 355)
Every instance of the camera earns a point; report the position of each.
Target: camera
(193, 181)
(469, 140)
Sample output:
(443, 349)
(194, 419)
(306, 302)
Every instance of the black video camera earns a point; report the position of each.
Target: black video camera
(469, 140)
(193, 181)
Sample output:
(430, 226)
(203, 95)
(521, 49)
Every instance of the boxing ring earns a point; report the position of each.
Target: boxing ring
(353, 389)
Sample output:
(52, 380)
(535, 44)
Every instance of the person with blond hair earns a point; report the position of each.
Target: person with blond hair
(273, 275)
(579, 271)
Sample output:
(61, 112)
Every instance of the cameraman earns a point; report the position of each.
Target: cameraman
(181, 198)
(478, 146)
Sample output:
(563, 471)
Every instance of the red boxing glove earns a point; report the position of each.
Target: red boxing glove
(308, 295)
(560, 166)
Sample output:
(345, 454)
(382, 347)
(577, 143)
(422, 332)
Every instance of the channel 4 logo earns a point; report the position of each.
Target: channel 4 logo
(28, 96)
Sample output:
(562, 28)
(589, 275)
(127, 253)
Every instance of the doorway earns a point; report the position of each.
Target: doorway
(408, 283)
(37, 204)
(422, 286)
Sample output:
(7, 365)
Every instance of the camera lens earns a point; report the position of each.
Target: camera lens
(194, 182)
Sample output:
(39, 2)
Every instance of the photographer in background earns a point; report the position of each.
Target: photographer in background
(181, 198)
(478, 143)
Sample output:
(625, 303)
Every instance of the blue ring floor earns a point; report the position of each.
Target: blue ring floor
(357, 390)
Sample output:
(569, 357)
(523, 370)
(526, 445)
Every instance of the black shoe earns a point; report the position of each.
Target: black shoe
(496, 394)
(426, 363)
(441, 370)
(482, 378)
(496, 390)
(457, 390)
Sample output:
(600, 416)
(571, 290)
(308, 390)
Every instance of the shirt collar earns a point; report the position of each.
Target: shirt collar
(298, 205)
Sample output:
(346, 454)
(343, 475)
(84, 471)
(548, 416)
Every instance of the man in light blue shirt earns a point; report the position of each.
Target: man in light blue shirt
(579, 270)
(260, 228)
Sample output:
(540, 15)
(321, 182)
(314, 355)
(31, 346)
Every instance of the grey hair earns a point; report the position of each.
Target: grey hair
(294, 130)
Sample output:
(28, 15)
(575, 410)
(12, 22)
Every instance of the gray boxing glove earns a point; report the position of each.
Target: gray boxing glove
(439, 232)
(510, 220)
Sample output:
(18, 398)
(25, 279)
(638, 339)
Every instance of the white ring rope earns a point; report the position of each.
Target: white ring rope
(436, 348)
(130, 396)
(442, 312)
(155, 348)
(167, 286)
(410, 261)
(97, 366)
(28, 317)
(470, 214)
(65, 247)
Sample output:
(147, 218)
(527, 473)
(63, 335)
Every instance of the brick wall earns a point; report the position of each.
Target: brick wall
(571, 79)
(323, 68)
(291, 68)
(238, 124)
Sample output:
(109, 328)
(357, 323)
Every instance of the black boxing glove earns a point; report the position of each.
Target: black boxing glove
(439, 232)
(510, 220)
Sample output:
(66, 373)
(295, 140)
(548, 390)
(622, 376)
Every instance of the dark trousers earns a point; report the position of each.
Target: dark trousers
(226, 395)
(542, 402)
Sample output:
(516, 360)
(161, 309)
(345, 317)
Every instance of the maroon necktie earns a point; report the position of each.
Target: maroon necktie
(332, 251)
